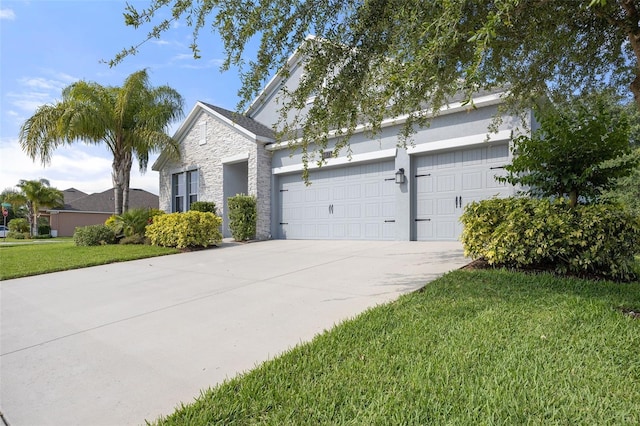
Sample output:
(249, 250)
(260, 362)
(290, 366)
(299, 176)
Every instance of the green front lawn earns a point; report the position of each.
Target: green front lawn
(474, 347)
(42, 256)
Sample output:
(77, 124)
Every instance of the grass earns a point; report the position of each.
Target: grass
(43, 256)
(474, 347)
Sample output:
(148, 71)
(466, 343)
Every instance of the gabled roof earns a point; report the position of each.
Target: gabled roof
(249, 127)
(275, 83)
(242, 120)
(72, 194)
(103, 202)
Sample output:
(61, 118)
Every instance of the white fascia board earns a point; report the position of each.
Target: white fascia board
(503, 135)
(340, 161)
(186, 124)
(231, 123)
(235, 158)
(483, 101)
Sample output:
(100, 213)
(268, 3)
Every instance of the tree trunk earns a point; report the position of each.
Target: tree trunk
(119, 178)
(573, 198)
(125, 189)
(633, 33)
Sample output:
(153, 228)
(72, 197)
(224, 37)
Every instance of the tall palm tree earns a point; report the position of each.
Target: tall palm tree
(130, 120)
(39, 194)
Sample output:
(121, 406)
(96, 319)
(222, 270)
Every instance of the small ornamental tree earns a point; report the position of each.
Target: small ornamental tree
(581, 148)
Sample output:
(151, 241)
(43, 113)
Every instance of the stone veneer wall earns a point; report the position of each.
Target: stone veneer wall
(222, 142)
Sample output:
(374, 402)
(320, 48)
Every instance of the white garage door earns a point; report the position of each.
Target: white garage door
(447, 181)
(352, 203)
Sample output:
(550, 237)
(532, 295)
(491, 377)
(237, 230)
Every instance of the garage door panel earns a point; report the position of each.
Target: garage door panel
(445, 183)
(472, 180)
(446, 229)
(490, 178)
(458, 177)
(472, 157)
(498, 154)
(446, 160)
(446, 206)
(351, 203)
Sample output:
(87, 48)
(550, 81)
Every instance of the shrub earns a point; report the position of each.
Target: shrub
(597, 239)
(242, 217)
(188, 229)
(135, 239)
(18, 235)
(132, 222)
(203, 206)
(93, 235)
(19, 225)
(44, 229)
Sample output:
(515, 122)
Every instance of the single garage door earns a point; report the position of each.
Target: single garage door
(445, 182)
(351, 203)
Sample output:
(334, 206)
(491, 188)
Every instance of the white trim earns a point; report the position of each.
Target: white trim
(275, 81)
(238, 158)
(503, 135)
(340, 161)
(488, 100)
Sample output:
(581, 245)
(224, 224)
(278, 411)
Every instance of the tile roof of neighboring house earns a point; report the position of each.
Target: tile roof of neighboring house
(242, 120)
(104, 202)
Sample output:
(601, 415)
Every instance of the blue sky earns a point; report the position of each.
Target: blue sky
(46, 45)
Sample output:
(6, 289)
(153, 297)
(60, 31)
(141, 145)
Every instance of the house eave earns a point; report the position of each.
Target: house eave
(482, 101)
(188, 123)
(274, 83)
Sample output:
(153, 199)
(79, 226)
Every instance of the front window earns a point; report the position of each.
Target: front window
(184, 190)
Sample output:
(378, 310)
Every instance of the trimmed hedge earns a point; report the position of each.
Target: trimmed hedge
(188, 229)
(93, 235)
(242, 217)
(203, 206)
(537, 233)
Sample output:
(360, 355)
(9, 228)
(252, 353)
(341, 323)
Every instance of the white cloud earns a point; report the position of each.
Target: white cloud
(7, 14)
(159, 42)
(85, 168)
(182, 57)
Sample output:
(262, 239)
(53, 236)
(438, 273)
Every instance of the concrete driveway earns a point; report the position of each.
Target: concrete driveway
(121, 343)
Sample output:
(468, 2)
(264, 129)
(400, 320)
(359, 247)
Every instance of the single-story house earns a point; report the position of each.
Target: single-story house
(82, 209)
(379, 192)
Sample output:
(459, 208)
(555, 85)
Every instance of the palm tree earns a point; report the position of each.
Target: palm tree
(131, 120)
(39, 194)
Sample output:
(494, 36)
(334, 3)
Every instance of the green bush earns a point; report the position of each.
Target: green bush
(135, 239)
(188, 229)
(19, 225)
(18, 235)
(132, 222)
(203, 206)
(600, 239)
(44, 229)
(93, 235)
(242, 217)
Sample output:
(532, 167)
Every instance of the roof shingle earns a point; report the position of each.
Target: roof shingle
(241, 120)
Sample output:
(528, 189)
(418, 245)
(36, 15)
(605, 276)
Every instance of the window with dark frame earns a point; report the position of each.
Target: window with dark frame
(184, 190)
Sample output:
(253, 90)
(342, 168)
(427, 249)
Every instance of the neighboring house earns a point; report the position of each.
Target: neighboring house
(81, 209)
(379, 192)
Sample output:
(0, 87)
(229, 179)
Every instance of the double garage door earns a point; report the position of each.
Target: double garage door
(446, 182)
(351, 203)
(359, 202)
